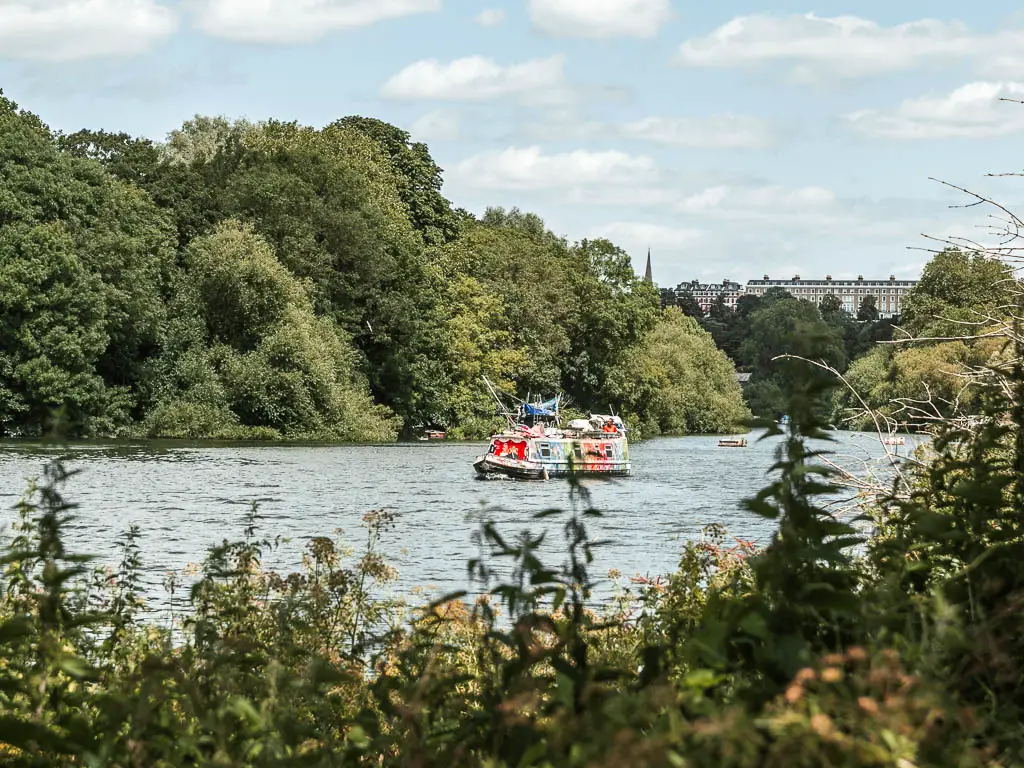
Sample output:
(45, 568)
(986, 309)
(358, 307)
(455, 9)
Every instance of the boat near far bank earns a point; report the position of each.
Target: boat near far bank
(738, 442)
(536, 447)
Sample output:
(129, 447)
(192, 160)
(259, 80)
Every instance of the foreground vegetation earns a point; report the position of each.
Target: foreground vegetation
(274, 280)
(831, 646)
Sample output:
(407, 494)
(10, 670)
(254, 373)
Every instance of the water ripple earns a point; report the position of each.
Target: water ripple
(186, 497)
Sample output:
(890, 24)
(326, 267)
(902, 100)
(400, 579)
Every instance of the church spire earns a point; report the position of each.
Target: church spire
(648, 276)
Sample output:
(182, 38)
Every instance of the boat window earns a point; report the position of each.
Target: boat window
(607, 450)
(545, 450)
(577, 451)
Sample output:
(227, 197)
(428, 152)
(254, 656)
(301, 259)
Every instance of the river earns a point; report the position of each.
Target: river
(185, 497)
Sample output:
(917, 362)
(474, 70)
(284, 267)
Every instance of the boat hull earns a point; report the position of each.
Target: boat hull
(489, 465)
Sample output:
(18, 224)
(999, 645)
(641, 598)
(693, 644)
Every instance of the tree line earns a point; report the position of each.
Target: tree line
(916, 368)
(274, 280)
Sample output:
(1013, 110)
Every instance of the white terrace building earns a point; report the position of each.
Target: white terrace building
(888, 293)
(707, 293)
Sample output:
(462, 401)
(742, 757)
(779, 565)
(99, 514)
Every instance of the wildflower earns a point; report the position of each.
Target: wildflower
(868, 705)
(822, 724)
(831, 675)
(805, 675)
(857, 654)
(793, 693)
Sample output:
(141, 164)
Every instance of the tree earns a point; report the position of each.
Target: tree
(613, 311)
(956, 291)
(831, 308)
(688, 305)
(867, 312)
(104, 236)
(253, 357)
(774, 294)
(787, 327)
(130, 159)
(419, 177)
(53, 322)
(202, 138)
(677, 382)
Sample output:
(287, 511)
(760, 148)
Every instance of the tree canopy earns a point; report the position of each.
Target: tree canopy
(276, 280)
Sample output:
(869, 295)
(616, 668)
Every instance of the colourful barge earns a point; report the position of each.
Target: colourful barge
(595, 446)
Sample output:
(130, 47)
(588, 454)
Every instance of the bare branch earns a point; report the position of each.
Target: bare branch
(878, 427)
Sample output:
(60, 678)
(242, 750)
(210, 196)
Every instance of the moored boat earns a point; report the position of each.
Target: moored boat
(535, 447)
(740, 442)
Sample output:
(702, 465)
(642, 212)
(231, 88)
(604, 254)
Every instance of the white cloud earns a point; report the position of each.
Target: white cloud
(477, 78)
(702, 132)
(763, 202)
(529, 168)
(65, 30)
(295, 21)
(637, 236)
(491, 17)
(439, 125)
(600, 18)
(816, 47)
(973, 111)
(715, 132)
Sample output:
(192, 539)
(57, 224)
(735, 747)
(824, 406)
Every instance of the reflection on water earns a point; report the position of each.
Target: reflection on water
(185, 497)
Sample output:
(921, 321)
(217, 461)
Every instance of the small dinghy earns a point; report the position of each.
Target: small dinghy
(733, 442)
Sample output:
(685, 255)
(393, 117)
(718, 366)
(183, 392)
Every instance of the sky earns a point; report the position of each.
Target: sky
(732, 139)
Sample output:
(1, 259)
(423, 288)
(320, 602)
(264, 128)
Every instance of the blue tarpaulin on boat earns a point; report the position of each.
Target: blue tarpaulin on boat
(542, 409)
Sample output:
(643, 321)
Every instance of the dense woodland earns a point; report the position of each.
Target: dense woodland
(274, 280)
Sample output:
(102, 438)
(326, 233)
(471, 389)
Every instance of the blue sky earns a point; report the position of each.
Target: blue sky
(732, 139)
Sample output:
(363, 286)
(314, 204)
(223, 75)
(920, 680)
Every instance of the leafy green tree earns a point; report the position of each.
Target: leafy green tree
(613, 311)
(254, 359)
(678, 382)
(419, 178)
(774, 294)
(532, 275)
(689, 306)
(202, 138)
(104, 235)
(832, 309)
(956, 292)
(53, 322)
(787, 326)
(915, 385)
(720, 323)
(525, 222)
(867, 312)
(334, 216)
(128, 158)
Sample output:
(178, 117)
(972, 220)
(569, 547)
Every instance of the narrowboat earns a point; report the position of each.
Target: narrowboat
(535, 447)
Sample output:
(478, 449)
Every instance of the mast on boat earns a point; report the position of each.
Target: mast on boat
(548, 409)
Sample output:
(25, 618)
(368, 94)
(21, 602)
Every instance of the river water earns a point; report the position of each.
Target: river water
(186, 497)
